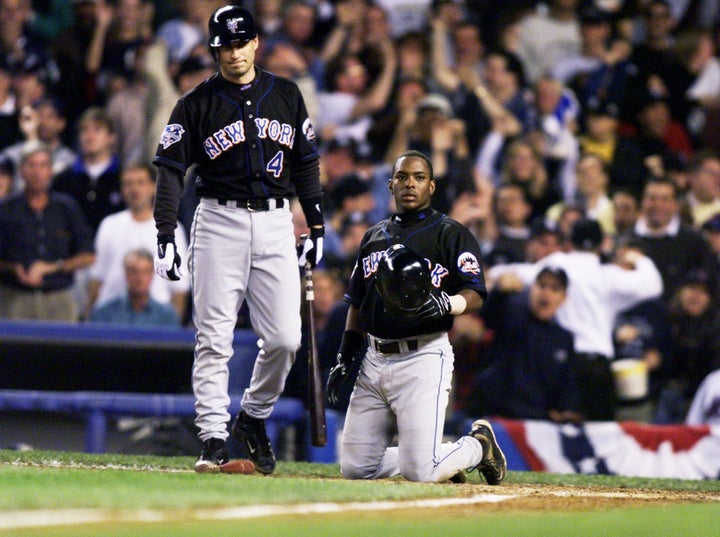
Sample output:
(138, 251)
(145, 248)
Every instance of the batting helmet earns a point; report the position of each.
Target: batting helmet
(229, 24)
(403, 279)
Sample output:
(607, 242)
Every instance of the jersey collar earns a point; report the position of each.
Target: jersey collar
(412, 217)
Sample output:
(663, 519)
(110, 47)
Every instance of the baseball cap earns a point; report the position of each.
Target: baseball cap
(556, 272)
(594, 15)
(599, 107)
(348, 186)
(436, 101)
(697, 277)
(586, 234)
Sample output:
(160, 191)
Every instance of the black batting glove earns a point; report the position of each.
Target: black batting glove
(350, 346)
(436, 307)
(312, 249)
(167, 258)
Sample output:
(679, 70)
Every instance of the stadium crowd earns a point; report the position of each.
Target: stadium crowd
(538, 117)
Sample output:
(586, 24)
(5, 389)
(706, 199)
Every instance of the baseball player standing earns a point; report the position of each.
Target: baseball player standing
(249, 133)
(405, 377)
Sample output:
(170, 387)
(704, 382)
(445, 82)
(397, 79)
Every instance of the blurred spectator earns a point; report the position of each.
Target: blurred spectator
(705, 405)
(457, 50)
(70, 48)
(21, 52)
(129, 230)
(351, 197)
(186, 31)
(122, 29)
(592, 194)
(94, 179)
(268, 18)
(44, 239)
(626, 210)
(660, 69)
(601, 69)
(622, 155)
(596, 294)
(413, 50)
(511, 209)
(44, 122)
(697, 49)
(523, 165)
(703, 196)
(433, 129)
(285, 60)
(297, 29)
(695, 320)
(675, 248)
(554, 124)
(7, 177)
(135, 306)
(547, 37)
(346, 106)
(527, 371)
(544, 240)
(48, 19)
(711, 232)
(9, 112)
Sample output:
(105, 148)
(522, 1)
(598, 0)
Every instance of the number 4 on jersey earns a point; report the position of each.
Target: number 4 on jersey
(275, 166)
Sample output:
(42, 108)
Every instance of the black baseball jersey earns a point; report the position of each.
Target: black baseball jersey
(248, 141)
(451, 251)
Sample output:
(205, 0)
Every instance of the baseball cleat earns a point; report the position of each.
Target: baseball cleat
(213, 455)
(493, 464)
(459, 478)
(252, 432)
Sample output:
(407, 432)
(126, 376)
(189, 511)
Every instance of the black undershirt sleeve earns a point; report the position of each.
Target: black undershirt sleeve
(167, 199)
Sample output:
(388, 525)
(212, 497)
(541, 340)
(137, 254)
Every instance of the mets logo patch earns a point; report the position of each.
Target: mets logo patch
(468, 263)
(232, 24)
(172, 134)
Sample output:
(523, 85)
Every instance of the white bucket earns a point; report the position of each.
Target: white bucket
(631, 378)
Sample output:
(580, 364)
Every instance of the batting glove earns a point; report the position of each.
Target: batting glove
(312, 249)
(350, 346)
(436, 307)
(167, 259)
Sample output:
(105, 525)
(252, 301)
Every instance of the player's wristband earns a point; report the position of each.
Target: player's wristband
(457, 304)
(312, 209)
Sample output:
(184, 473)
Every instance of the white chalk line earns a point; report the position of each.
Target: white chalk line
(60, 517)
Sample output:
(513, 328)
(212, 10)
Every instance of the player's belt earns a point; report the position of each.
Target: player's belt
(254, 205)
(395, 346)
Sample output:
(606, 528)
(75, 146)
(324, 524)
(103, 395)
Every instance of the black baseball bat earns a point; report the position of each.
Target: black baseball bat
(316, 392)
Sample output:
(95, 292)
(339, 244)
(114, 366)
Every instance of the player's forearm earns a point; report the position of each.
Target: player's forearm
(167, 200)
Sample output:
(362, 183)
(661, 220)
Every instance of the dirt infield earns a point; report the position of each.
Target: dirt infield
(522, 497)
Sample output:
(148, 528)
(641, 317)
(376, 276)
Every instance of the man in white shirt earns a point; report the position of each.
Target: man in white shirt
(128, 230)
(596, 294)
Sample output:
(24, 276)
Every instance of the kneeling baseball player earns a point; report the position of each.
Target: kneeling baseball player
(414, 272)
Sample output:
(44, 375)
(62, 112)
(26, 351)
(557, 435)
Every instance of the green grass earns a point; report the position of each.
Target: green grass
(53, 480)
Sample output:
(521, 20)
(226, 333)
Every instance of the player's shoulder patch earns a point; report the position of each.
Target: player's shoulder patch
(308, 130)
(172, 134)
(468, 263)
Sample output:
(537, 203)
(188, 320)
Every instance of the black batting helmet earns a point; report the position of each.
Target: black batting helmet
(403, 279)
(229, 24)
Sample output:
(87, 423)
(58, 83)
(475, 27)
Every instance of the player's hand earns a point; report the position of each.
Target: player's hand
(351, 344)
(167, 259)
(312, 249)
(436, 307)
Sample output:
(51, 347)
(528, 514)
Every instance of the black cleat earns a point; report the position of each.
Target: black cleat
(214, 454)
(493, 465)
(252, 432)
(459, 478)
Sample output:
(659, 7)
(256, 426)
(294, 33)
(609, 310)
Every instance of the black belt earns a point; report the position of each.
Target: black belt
(256, 204)
(393, 347)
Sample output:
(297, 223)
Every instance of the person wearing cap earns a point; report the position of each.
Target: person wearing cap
(622, 154)
(597, 292)
(528, 369)
(695, 321)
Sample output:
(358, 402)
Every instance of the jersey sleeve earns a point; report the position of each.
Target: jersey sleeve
(175, 145)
